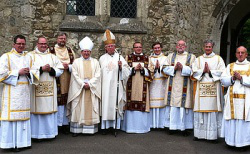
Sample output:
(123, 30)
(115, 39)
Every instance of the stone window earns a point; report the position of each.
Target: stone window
(81, 7)
(123, 8)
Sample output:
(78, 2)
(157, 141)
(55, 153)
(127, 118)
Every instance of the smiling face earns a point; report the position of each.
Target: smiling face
(208, 47)
(19, 45)
(241, 54)
(85, 54)
(110, 49)
(157, 49)
(42, 44)
(137, 48)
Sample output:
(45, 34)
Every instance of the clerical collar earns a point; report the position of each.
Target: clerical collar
(157, 55)
(184, 53)
(39, 52)
(137, 54)
(57, 46)
(19, 53)
(243, 62)
(209, 56)
(84, 58)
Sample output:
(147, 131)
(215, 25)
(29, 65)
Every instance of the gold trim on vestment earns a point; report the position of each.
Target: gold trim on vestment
(9, 101)
(8, 56)
(157, 99)
(4, 78)
(15, 119)
(231, 102)
(239, 96)
(231, 93)
(23, 82)
(2, 105)
(157, 106)
(43, 112)
(207, 111)
(25, 110)
(159, 79)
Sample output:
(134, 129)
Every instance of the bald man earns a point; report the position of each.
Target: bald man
(236, 118)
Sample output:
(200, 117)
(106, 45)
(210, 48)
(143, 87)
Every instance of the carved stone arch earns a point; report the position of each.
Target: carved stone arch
(219, 16)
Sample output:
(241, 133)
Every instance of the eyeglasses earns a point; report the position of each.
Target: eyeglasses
(137, 47)
(42, 43)
(21, 44)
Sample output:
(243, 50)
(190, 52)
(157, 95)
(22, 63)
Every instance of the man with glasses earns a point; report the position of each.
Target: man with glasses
(44, 92)
(178, 92)
(157, 87)
(16, 73)
(114, 70)
(66, 55)
(137, 117)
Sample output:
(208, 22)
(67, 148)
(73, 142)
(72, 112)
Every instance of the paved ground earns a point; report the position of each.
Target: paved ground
(154, 142)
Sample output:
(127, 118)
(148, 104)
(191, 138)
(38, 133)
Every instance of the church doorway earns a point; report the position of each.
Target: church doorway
(235, 31)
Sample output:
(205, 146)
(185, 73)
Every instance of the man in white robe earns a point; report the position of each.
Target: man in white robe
(66, 55)
(137, 117)
(112, 64)
(178, 91)
(208, 97)
(236, 118)
(84, 92)
(157, 87)
(44, 93)
(16, 73)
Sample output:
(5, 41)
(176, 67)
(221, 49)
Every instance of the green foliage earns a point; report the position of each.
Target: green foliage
(244, 36)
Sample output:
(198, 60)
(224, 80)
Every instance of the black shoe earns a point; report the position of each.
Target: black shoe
(75, 135)
(36, 140)
(185, 133)
(242, 149)
(171, 132)
(65, 129)
(104, 131)
(16, 150)
(195, 139)
(214, 141)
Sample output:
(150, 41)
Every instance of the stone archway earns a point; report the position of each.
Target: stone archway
(229, 18)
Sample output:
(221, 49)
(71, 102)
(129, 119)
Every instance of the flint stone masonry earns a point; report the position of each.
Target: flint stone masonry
(165, 21)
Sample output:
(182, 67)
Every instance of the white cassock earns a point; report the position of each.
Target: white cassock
(83, 104)
(15, 130)
(208, 104)
(137, 116)
(44, 97)
(157, 92)
(236, 118)
(109, 76)
(178, 93)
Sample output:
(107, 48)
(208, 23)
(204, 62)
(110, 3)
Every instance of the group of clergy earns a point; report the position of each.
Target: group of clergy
(49, 87)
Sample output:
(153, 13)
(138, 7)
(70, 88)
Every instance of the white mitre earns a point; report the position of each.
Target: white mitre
(86, 44)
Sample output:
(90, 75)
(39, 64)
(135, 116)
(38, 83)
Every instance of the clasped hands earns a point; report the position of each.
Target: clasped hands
(236, 76)
(138, 67)
(24, 71)
(178, 66)
(206, 68)
(46, 68)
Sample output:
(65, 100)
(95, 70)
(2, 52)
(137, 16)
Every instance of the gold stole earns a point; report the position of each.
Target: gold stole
(88, 106)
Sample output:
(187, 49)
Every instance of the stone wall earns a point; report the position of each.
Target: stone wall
(166, 21)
